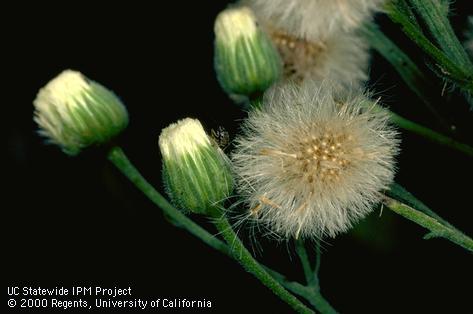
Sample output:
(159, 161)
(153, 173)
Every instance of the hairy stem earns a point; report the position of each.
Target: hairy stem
(436, 18)
(318, 261)
(401, 194)
(436, 228)
(119, 159)
(430, 134)
(310, 293)
(407, 69)
(306, 265)
(244, 257)
(455, 70)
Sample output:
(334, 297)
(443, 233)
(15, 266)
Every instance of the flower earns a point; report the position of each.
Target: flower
(246, 62)
(75, 112)
(196, 172)
(315, 19)
(314, 159)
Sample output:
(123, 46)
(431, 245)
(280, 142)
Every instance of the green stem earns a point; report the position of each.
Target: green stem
(246, 260)
(310, 293)
(436, 228)
(319, 302)
(448, 67)
(119, 159)
(406, 68)
(318, 261)
(401, 194)
(445, 6)
(435, 17)
(430, 134)
(304, 258)
(406, 10)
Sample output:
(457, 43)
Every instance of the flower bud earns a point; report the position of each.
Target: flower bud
(246, 61)
(196, 172)
(75, 112)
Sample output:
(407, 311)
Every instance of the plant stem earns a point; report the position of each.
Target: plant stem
(318, 261)
(310, 293)
(449, 68)
(319, 302)
(304, 258)
(435, 17)
(119, 159)
(246, 260)
(312, 290)
(406, 10)
(436, 228)
(430, 134)
(415, 34)
(406, 68)
(401, 194)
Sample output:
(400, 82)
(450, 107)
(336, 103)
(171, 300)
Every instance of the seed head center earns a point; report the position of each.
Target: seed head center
(322, 157)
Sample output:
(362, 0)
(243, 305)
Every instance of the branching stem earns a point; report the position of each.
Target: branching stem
(238, 251)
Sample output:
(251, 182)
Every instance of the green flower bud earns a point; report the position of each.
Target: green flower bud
(75, 112)
(196, 172)
(246, 61)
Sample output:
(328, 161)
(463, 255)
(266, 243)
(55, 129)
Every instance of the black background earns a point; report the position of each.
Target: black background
(78, 221)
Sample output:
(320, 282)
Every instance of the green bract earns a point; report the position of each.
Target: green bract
(196, 172)
(246, 62)
(75, 112)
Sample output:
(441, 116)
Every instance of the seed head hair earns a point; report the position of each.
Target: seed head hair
(315, 19)
(314, 159)
(342, 58)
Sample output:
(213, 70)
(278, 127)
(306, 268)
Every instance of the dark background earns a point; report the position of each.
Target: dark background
(78, 221)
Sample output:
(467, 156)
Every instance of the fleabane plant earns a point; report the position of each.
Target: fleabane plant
(75, 112)
(314, 160)
(196, 172)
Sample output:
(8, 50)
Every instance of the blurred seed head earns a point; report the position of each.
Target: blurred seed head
(315, 19)
(342, 58)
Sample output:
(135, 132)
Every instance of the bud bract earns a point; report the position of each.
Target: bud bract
(196, 172)
(75, 112)
(246, 61)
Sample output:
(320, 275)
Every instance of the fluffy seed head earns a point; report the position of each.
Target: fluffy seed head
(75, 112)
(246, 62)
(315, 19)
(342, 58)
(196, 171)
(313, 161)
